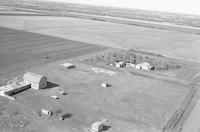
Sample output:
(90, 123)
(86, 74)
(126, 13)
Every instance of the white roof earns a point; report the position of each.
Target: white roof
(10, 87)
(96, 124)
(33, 75)
(144, 64)
(67, 64)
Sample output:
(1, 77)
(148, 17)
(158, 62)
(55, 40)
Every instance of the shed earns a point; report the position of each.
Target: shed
(96, 127)
(119, 64)
(130, 65)
(68, 65)
(36, 81)
(46, 112)
(11, 89)
(105, 85)
(138, 67)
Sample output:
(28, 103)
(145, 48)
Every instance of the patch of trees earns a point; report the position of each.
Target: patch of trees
(129, 56)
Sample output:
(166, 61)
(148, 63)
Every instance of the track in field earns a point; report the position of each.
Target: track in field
(20, 14)
(20, 50)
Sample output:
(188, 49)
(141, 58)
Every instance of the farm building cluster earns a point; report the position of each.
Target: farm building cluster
(129, 58)
(140, 66)
(30, 80)
(39, 82)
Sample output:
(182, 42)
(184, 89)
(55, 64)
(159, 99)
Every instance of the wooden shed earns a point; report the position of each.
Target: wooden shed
(36, 81)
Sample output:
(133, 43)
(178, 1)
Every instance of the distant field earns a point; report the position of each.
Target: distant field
(59, 8)
(20, 50)
(169, 43)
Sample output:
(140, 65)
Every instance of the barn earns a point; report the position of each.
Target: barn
(36, 81)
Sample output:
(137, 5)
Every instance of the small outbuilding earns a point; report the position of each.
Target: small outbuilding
(46, 112)
(54, 97)
(13, 88)
(130, 65)
(105, 85)
(96, 127)
(69, 65)
(36, 81)
(62, 92)
(119, 64)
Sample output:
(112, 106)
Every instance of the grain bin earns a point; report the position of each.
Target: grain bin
(36, 81)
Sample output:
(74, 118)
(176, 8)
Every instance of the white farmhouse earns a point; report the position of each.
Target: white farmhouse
(119, 64)
(130, 65)
(144, 66)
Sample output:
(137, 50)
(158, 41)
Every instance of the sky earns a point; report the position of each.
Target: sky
(176, 6)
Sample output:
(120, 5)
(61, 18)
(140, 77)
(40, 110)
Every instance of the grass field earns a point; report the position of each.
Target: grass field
(131, 103)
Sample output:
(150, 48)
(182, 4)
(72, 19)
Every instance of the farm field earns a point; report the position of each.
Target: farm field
(60, 8)
(169, 43)
(37, 43)
(20, 50)
(166, 42)
(7, 11)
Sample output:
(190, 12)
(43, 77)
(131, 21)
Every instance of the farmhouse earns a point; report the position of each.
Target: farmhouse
(119, 64)
(144, 66)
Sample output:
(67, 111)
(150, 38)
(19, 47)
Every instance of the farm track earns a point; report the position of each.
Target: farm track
(20, 14)
(20, 50)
